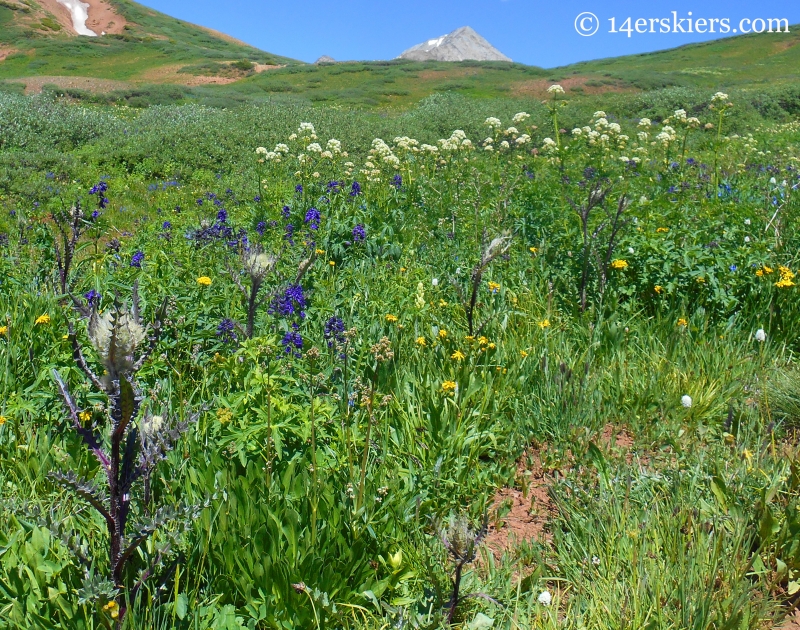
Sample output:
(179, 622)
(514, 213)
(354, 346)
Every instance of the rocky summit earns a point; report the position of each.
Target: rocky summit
(460, 45)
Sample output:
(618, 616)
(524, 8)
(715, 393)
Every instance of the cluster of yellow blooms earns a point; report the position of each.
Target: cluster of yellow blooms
(204, 281)
(224, 416)
(43, 319)
(391, 318)
(448, 386)
(3, 331)
(787, 278)
(619, 264)
(112, 608)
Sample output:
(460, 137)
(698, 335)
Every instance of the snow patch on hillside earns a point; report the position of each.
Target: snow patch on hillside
(80, 13)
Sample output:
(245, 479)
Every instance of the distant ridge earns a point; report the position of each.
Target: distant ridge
(463, 44)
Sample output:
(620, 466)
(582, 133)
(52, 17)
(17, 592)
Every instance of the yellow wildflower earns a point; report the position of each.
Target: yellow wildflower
(332, 263)
(442, 334)
(204, 281)
(701, 280)
(402, 269)
(3, 331)
(682, 322)
(767, 269)
(442, 303)
(319, 252)
(448, 386)
(784, 283)
(658, 288)
(532, 250)
(421, 341)
(523, 354)
(458, 355)
(483, 340)
(224, 415)
(760, 272)
(493, 286)
(85, 416)
(787, 278)
(43, 319)
(391, 318)
(469, 338)
(492, 346)
(112, 608)
(619, 264)
(545, 323)
(661, 230)
(3, 420)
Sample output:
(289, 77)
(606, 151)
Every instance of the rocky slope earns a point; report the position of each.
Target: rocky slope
(460, 45)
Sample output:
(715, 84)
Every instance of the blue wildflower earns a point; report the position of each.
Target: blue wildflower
(226, 331)
(92, 298)
(95, 215)
(359, 233)
(261, 227)
(166, 225)
(222, 215)
(334, 331)
(286, 212)
(313, 218)
(136, 260)
(298, 188)
(292, 301)
(733, 267)
(355, 189)
(292, 342)
(397, 181)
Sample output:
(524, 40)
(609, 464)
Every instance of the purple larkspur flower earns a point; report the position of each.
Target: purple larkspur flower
(289, 235)
(136, 260)
(292, 301)
(334, 331)
(298, 188)
(292, 342)
(92, 298)
(313, 218)
(226, 331)
(95, 215)
(355, 189)
(334, 186)
(359, 233)
(257, 198)
(261, 228)
(222, 215)
(166, 225)
(397, 181)
(286, 212)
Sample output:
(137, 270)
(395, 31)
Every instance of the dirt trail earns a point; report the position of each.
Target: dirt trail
(34, 85)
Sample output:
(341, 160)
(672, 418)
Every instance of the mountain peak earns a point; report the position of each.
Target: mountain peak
(460, 45)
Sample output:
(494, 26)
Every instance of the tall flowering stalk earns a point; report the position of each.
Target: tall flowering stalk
(126, 449)
(720, 104)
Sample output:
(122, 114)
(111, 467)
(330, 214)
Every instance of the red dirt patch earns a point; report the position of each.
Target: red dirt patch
(170, 74)
(538, 87)
(34, 85)
(5, 52)
(516, 515)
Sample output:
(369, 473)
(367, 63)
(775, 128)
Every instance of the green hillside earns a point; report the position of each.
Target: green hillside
(149, 47)
(154, 58)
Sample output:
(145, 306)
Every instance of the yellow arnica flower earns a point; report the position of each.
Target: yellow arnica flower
(658, 288)
(391, 318)
(204, 281)
(319, 252)
(483, 340)
(3, 420)
(449, 386)
(682, 322)
(701, 280)
(442, 334)
(421, 341)
(493, 286)
(532, 250)
(332, 263)
(112, 608)
(469, 338)
(43, 319)
(85, 416)
(767, 269)
(784, 283)
(619, 264)
(492, 346)
(760, 272)
(523, 354)
(402, 269)
(545, 323)
(662, 229)
(3, 331)
(458, 355)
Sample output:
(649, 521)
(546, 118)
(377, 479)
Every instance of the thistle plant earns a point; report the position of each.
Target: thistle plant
(126, 449)
(610, 226)
(462, 541)
(489, 253)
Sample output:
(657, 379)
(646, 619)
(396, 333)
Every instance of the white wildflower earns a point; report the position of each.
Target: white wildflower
(686, 401)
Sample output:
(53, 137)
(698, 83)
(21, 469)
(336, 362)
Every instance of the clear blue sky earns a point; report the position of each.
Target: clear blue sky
(535, 32)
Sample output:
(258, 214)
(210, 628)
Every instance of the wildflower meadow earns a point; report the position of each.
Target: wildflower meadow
(516, 365)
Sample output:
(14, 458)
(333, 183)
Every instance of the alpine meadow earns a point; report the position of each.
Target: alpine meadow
(480, 356)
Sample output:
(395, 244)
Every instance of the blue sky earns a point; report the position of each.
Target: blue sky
(529, 31)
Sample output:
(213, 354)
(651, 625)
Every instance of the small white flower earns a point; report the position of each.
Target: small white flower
(746, 239)
(596, 561)
(686, 401)
(545, 598)
(772, 180)
(761, 336)
(435, 282)
(630, 250)
(747, 221)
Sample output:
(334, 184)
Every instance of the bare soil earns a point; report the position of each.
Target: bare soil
(102, 16)
(34, 85)
(538, 87)
(170, 74)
